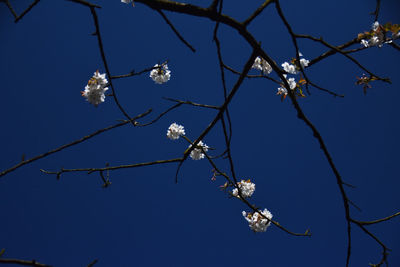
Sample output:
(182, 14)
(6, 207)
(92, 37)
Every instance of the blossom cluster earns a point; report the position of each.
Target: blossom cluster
(377, 35)
(175, 131)
(262, 64)
(160, 73)
(197, 153)
(246, 188)
(258, 222)
(94, 90)
(292, 69)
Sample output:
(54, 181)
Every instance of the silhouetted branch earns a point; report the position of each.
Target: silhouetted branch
(180, 37)
(7, 2)
(111, 168)
(257, 12)
(24, 162)
(26, 11)
(23, 262)
(320, 40)
(92, 263)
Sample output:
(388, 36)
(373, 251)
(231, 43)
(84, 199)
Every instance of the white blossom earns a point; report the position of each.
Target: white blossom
(262, 64)
(94, 90)
(375, 26)
(292, 84)
(364, 43)
(304, 62)
(247, 189)
(258, 223)
(126, 1)
(175, 131)
(282, 91)
(197, 153)
(289, 68)
(377, 38)
(160, 74)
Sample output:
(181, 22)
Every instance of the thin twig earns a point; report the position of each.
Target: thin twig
(257, 12)
(175, 31)
(23, 262)
(190, 103)
(22, 163)
(26, 11)
(379, 220)
(10, 8)
(111, 168)
(320, 40)
(93, 263)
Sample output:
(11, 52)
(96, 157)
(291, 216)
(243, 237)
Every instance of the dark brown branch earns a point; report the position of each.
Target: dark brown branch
(320, 40)
(377, 8)
(160, 115)
(190, 103)
(132, 73)
(93, 263)
(325, 90)
(294, 40)
(23, 262)
(257, 12)
(85, 3)
(10, 8)
(22, 163)
(395, 46)
(332, 51)
(111, 168)
(180, 37)
(377, 221)
(26, 11)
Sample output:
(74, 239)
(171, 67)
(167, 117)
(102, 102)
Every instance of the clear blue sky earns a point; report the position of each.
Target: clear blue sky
(144, 218)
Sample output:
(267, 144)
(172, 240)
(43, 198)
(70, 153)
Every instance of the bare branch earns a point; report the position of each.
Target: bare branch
(24, 162)
(26, 11)
(23, 262)
(175, 31)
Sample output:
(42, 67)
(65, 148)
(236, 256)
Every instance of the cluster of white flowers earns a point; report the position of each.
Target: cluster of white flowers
(94, 90)
(292, 84)
(197, 153)
(258, 223)
(289, 68)
(175, 131)
(247, 189)
(292, 69)
(126, 1)
(262, 64)
(377, 36)
(160, 74)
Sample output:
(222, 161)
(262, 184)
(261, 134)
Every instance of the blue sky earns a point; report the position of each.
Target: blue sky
(144, 218)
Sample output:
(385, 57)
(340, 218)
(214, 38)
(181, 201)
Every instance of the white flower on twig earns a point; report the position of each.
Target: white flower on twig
(197, 153)
(94, 90)
(262, 64)
(247, 189)
(175, 131)
(257, 222)
(160, 73)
